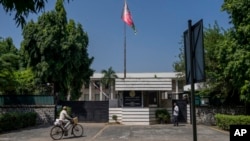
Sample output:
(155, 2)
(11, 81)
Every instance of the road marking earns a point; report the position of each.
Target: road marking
(98, 134)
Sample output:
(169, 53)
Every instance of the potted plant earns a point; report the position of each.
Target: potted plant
(162, 116)
(114, 117)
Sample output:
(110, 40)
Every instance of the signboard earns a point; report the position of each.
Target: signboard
(132, 99)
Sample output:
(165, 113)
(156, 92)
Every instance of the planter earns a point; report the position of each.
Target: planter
(162, 116)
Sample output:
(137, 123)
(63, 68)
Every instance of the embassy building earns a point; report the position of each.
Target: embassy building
(135, 99)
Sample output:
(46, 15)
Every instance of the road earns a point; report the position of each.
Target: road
(109, 132)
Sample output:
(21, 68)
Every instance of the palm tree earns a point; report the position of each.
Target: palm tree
(108, 79)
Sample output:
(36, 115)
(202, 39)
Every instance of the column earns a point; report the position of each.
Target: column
(90, 91)
(101, 92)
(165, 95)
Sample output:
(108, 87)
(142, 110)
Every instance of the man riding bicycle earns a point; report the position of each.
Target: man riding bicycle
(64, 124)
(65, 118)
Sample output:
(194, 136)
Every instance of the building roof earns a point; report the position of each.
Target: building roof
(141, 75)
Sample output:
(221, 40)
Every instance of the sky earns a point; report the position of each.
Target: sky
(159, 23)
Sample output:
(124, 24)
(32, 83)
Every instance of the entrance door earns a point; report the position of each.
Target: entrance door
(150, 98)
(182, 110)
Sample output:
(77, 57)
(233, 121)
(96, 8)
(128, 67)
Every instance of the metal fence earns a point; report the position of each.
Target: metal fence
(88, 111)
(26, 100)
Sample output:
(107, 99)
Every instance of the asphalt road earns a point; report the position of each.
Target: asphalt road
(107, 132)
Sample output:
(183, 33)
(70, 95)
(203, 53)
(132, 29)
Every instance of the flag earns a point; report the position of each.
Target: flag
(127, 17)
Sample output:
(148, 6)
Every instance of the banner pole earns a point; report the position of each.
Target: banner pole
(192, 80)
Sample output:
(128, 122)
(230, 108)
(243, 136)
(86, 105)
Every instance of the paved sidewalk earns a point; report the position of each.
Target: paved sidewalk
(107, 132)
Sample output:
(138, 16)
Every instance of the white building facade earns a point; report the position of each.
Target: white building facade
(168, 84)
(135, 98)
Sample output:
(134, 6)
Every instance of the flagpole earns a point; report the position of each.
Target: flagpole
(124, 50)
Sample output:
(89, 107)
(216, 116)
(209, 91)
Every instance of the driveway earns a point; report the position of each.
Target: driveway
(107, 132)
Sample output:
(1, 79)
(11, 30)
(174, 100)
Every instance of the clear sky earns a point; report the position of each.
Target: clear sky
(160, 25)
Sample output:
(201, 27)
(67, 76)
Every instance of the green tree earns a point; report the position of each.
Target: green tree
(57, 52)
(217, 55)
(218, 51)
(238, 68)
(21, 8)
(25, 82)
(108, 79)
(8, 65)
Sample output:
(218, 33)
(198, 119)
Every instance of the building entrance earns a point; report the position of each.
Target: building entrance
(150, 99)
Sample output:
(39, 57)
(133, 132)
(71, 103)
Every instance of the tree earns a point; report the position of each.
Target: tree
(238, 68)
(217, 55)
(108, 79)
(23, 8)
(57, 52)
(25, 82)
(8, 65)
(217, 52)
(227, 55)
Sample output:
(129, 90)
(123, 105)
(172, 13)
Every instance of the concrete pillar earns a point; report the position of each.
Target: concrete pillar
(90, 91)
(101, 92)
(166, 95)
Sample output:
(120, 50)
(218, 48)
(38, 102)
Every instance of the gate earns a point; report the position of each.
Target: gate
(89, 111)
(182, 104)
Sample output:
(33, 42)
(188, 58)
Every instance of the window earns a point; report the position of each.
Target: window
(97, 84)
(97, 97)
(86, 97)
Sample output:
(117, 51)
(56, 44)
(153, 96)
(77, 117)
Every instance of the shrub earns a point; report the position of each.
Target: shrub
(224, 121)
(12, 121)
(162, 115)
(114, 117)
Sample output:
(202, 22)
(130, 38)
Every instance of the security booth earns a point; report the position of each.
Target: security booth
(139, 98)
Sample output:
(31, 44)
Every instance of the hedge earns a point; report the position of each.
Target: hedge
(224, 121)
(13, 121)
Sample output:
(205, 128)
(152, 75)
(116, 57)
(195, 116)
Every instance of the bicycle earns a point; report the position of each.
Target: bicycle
(57, 131)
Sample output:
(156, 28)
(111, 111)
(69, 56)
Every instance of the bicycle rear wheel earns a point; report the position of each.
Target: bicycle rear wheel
(77, 130)
(56, 133)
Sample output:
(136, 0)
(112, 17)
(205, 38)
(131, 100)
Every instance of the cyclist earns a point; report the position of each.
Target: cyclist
(65, 118)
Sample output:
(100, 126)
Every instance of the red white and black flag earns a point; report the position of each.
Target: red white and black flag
(127, 17)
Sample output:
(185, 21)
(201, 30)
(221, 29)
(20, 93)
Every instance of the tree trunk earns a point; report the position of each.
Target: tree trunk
(68, 95)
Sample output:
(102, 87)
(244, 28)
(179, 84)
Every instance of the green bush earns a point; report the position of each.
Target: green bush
(162, 115)
(224, 121)
(13, 121)
(114, 117)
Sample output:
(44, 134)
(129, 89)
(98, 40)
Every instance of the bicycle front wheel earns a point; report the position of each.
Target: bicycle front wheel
(56, 133)
(77, 130)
